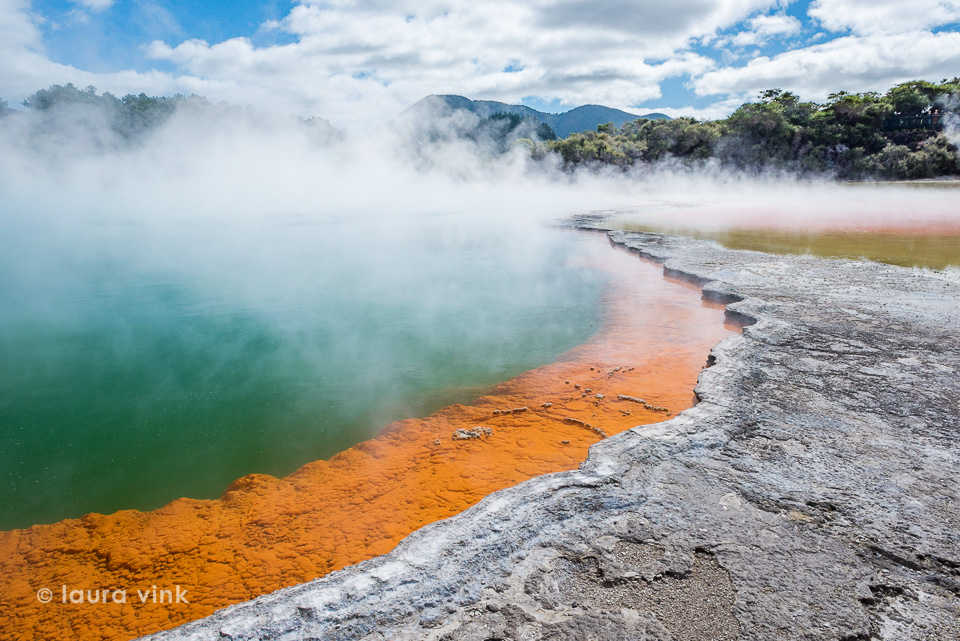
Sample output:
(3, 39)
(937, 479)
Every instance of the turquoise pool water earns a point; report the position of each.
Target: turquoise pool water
(141, 362)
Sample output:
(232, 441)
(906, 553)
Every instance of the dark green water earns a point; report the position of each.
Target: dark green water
(140, 363)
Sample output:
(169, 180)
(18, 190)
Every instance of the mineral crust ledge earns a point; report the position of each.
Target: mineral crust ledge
(813, 492)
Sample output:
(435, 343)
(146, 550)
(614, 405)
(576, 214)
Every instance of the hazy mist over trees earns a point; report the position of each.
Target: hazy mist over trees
(81, 120)
(910, 132)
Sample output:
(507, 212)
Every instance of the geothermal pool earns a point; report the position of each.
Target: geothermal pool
(637, 345)
(239, 406)
(141, 363)
(905, 224)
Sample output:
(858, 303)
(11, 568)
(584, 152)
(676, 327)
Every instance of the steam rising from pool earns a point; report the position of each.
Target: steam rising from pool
(245, 293)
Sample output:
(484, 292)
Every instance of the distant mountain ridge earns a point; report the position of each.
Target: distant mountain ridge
(583, 118)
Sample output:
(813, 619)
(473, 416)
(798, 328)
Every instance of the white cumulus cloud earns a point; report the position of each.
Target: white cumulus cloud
(884, 16)
(763, 28)
(350, 56)
(851, 63)
(354, 61)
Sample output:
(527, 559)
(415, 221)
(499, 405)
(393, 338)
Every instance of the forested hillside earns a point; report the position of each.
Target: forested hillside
(66, 117)
(910, 132)
(578, 119)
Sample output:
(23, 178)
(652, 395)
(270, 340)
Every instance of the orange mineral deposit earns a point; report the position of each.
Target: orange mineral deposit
(266, 533)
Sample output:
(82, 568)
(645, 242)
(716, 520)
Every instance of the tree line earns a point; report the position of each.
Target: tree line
(65, 114)
(128, 117)
(909, 132)
(901, 134)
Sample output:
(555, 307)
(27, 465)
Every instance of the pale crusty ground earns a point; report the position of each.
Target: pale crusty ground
(811, 495)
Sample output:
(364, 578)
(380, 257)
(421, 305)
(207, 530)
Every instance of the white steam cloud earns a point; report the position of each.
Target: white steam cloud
(218, 165)
(227, 215)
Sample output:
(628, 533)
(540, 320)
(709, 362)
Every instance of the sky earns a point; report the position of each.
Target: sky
(356, 61)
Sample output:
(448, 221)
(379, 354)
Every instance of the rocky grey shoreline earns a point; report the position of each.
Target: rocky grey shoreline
(813, 493)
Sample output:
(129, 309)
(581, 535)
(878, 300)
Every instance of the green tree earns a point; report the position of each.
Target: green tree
(66, 95)
(912, 98)
(855, 120)
(129, 117)
(685, 138)
(766, 132)
(845, 136)
(545, 132)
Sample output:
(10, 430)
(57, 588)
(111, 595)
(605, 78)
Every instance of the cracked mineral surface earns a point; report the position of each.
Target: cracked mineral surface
(811, 494)
(268, 533)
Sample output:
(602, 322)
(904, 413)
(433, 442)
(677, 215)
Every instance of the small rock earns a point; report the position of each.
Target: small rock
(463, 434)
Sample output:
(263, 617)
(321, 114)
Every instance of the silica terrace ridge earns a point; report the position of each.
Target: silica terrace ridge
(811, 494)
(266, 533)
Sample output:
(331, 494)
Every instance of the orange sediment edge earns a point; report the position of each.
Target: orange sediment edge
(266, 533)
